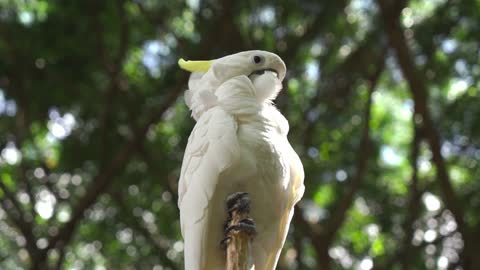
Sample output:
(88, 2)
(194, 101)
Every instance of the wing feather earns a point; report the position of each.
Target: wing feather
(212, 147)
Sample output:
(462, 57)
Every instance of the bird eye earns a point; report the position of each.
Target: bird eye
(257, 59)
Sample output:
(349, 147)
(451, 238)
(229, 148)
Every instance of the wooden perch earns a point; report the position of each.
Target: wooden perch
(240, 231)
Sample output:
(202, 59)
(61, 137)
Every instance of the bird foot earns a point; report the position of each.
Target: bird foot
(238, 201)
(224, 242)
(238, 207)
(245, 225)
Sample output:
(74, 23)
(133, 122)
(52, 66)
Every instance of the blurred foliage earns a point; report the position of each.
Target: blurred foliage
(93, 127)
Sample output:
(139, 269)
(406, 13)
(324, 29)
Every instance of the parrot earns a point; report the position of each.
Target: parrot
(238, 144)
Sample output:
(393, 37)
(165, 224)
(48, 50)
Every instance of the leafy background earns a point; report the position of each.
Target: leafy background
(382, 98)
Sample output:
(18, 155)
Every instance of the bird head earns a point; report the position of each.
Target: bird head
(243, 63)
(265, 70)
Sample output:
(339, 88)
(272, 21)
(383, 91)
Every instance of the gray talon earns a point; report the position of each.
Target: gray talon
(239, 201)
(245, 225)
(224, 242)
(234, 197)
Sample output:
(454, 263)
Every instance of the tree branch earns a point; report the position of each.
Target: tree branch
(317, 235)
(124, 35)
(113, 68)
(18, 218)
(419, 91)
(148, 158)
(298, 245)
(322, 235)
(414, 199)
(153, 239)
(103, 180)
(320, 23)
(343, 78)
(22, 134)
(404, 254)
(239, 233)
(335, 223)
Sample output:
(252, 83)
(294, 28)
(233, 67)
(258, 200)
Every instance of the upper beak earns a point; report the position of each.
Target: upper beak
(195, 66)
(279, 66)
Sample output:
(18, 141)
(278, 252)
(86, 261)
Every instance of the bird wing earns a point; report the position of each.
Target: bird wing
(212, 148)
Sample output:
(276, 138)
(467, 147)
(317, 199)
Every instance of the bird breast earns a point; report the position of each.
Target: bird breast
(262, 147)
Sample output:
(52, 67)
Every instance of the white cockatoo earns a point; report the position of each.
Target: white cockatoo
(239, 144)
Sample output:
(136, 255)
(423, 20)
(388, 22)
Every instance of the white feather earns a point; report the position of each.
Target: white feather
(238, 144)
(214, 136)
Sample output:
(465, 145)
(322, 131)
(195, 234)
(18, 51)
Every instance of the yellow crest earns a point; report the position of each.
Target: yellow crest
(194, 66)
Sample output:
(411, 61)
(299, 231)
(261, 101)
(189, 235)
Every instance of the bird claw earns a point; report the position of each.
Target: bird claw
(224, 242)
(227, 223)
(234, 197)
(245, 225)
(238, 201)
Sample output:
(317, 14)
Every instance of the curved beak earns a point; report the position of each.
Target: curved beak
(195, 66)
(279, 66)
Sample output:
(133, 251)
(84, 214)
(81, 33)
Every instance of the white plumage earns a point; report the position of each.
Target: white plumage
(239, 143)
